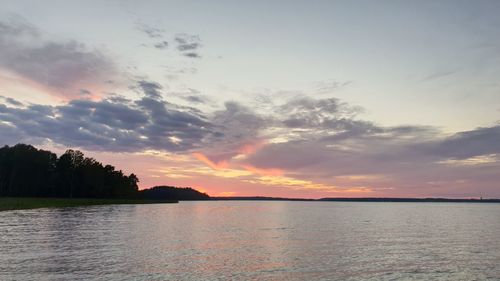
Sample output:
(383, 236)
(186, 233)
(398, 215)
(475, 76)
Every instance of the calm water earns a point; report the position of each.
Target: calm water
(253, 241)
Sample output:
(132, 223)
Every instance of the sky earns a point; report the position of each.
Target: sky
(302, 99)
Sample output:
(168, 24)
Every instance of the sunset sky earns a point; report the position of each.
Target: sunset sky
(275, 98)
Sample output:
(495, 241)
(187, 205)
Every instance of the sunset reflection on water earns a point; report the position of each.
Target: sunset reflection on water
(250, 240)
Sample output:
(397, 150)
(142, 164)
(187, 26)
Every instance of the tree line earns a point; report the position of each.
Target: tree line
(172, 193)
(28, 171)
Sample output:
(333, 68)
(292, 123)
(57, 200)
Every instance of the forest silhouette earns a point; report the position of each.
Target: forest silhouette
(26, 171)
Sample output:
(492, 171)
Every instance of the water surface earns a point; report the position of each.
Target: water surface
(253, 240)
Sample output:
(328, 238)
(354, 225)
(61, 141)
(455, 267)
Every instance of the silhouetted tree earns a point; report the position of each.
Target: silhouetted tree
(27, 171)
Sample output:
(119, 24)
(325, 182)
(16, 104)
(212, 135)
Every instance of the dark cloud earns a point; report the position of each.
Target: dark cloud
(193, 97)
(196, 99)
(85, 92)
(236, 126)
(58, 64)
(188, 45)
(161, 45)
(114, 124)
(481, 141)
(323, 118)
(12, 101)
(324, 136)
(192, 55)
(10, 134)
(318, 130)
(151, 89)
(186, 42)
(240, 123)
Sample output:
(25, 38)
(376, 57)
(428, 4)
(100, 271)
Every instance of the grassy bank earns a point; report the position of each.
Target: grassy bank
(19, 203)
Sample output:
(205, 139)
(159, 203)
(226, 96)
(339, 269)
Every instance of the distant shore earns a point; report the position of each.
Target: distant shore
(367, 199)
(21, 203)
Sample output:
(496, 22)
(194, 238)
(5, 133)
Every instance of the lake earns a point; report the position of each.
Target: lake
(253, 240)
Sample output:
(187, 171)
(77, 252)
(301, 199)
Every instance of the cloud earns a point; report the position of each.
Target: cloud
(12, 101)
(323, 140)
(237, 126)
(150, 31)
(188, 44)
(60, 65)
(192, 55)
(405, 159)
(195, 99)
(114, 124)
(463, 145)
(319, 114)
(155, 34)
(10, 134)
(320, 143)
(150, 89)
(329, 86)
(85, 92)
(161, 45)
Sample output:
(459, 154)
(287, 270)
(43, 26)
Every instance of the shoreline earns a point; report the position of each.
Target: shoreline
(25, 203)
(362, 199)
